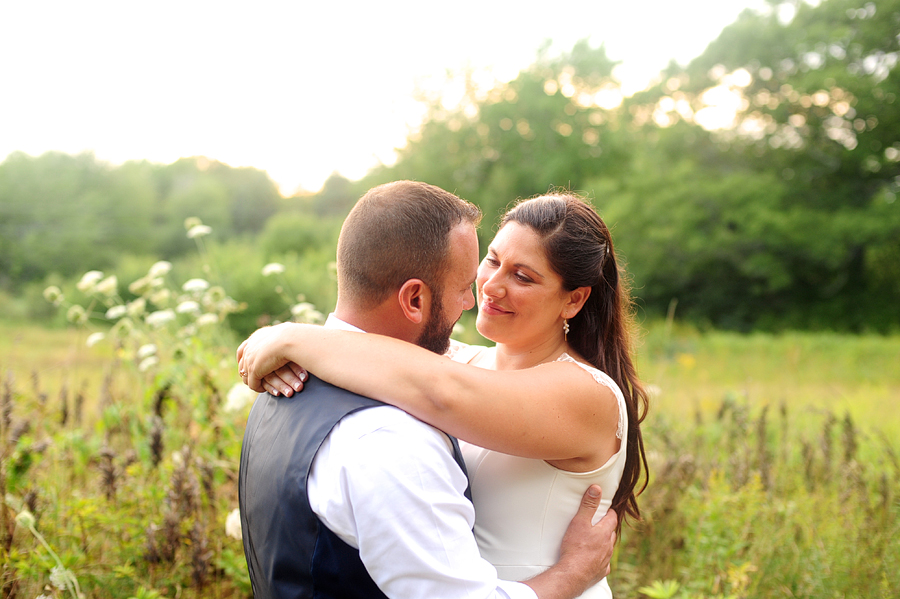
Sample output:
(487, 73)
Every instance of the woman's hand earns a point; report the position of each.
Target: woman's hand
(263, 366)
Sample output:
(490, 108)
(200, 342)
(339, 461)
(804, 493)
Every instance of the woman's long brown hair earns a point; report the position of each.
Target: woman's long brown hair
(579, 248)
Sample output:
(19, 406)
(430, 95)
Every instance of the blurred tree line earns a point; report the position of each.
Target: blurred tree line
(756, 187)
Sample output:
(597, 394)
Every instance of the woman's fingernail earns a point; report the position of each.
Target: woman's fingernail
(297, 386)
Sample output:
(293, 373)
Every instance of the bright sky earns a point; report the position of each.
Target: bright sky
(297, 88)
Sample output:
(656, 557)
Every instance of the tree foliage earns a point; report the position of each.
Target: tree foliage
(756, 186)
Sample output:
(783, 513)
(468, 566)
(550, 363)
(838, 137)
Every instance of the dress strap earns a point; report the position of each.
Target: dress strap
(607, 381)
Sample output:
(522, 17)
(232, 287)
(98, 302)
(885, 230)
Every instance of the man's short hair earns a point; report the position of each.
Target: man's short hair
(396, 232)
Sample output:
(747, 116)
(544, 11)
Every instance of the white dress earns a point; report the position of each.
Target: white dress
(523, 506)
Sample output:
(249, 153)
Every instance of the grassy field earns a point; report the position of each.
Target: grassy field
(773, 459)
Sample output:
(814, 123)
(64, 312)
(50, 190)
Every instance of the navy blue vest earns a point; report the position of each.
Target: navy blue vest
(290, 553)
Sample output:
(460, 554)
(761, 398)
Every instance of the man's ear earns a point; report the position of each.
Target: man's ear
(415, 298)
(575, 302)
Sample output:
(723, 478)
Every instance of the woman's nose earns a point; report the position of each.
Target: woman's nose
(493, 286)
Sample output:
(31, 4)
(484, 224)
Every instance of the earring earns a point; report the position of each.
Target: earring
(566, 328)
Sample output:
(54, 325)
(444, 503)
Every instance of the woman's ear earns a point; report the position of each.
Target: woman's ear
(575, 301)
(414, 297)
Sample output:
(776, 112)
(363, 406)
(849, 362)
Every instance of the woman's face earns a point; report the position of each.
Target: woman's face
(520, 297)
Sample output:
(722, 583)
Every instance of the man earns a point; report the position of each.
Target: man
(342, 496)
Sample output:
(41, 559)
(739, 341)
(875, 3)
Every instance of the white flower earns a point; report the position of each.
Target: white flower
(159, 269)
(25, 519)
(188, 307)
(148, 363)
(191, 222)
(161, 298)
(145, 351)
(122, 328)
(160, 318)
(233, 524)
(54, 295)
(140, 286)
(273, 268)
(177, 459)
(137, 307)
(198, 231)
(195, 285)
(239, 397)
(61, 578)
(94, 338)
(89, 280)
(76, 314)
(116, 312)
(305, 312)
(207, 319)
(108, 286)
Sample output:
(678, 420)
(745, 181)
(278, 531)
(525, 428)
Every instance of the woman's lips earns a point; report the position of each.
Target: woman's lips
(493, 309)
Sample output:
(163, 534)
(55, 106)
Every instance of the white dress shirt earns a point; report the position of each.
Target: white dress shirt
(387, 484)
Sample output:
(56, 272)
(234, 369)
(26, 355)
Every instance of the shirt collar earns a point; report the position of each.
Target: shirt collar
(333, 322)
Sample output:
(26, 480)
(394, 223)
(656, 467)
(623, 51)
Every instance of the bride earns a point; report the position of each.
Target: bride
(553, 407)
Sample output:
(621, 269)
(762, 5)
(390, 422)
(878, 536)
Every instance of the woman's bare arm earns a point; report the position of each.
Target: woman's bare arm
(554, 411)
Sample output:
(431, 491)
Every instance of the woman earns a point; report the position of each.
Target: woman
(564, 395)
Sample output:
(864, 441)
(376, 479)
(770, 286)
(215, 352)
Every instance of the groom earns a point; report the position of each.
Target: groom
(343, 496)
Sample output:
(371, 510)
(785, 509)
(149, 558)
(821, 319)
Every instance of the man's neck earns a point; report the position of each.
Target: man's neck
(378, 320)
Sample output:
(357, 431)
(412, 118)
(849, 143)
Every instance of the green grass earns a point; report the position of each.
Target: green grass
(774, 467)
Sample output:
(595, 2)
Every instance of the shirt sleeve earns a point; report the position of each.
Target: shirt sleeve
(388, 485)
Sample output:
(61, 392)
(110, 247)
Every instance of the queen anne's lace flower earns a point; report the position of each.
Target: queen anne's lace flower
(198, 231)
(159, 269)
(195, 285)
(273, 268)
(94, 338)
(233, 524)
(116, 312)
(160, 318)
(239, 397)
(108, 286)
(89, 280)
(188, 307)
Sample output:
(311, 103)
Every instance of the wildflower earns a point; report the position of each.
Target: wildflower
(61, 578)
(89, 280)
(233, 524)
(273, 268)
(191, 222)
(94, 338)
(161, 298)
(116, 312)
(108, 286)
(188, 307)
(198, 231)
(214, 295)
(25, 519)
(305, 312)
(122, 328)
(54, 295)
(159, 269)
(145, 351)
(140, 286)
(137, 307)
(148, 363)
(207, 319)
(160, 318)
(195, 285)
(76, 314)
(238, 398)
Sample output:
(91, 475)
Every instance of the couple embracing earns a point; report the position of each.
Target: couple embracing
(358, 487)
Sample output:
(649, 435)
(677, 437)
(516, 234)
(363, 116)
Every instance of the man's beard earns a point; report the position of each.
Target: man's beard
(435, 335)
